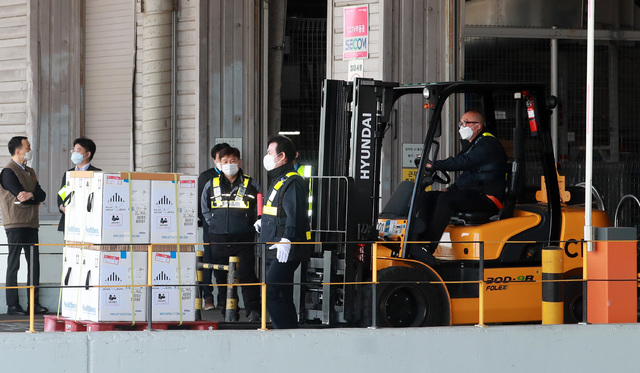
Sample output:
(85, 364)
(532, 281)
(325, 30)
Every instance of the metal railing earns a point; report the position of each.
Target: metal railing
(481, 282)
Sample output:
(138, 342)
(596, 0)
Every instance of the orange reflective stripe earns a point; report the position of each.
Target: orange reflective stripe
(496, 201)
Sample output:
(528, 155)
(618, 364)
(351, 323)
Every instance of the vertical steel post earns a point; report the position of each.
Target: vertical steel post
(481, 288)
(149, 286)
(374, 285)
(32, 295)
(199, 277)
(31, 299)
(263, 275)
(232, 303)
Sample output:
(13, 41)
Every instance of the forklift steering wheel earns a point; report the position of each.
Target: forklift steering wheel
(436, 173)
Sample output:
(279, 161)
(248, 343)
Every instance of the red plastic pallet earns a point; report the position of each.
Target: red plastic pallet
(53, 323)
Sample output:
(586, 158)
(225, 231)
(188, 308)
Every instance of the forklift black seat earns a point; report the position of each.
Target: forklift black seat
(510, 197)
(398, 205)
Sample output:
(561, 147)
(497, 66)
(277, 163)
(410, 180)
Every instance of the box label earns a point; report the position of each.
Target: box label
(111, 259)
(111, 300)
(114, 180)
(187, 184)
(161, 298)
(164, 258)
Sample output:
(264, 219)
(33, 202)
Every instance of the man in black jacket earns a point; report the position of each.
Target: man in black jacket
(203, 179)
(284, 220)
(229, 207)
(81, 155)
(480, 187)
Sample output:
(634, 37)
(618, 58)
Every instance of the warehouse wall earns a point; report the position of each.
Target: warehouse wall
(230, 79)
(108, 74)
(410, 41)
(14, 29)
(530, 348)
(40, 84)
(187, 44)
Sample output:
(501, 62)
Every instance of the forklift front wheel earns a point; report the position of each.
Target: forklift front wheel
(405, 302)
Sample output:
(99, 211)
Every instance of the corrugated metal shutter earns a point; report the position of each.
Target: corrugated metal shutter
(13, 67)
(109, 55)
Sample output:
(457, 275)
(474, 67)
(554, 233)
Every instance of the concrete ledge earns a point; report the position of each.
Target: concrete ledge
(530, 348)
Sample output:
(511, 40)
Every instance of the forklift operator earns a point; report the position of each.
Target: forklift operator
(480, 187)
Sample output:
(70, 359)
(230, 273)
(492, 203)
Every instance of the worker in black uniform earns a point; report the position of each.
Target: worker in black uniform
(480, 187)
(203, 179)
(229, 207)
(285, 221)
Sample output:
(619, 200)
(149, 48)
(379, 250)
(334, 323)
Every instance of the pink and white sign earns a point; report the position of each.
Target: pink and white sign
(356, 32)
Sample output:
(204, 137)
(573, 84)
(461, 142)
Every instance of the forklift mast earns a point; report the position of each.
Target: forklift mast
(353, 120)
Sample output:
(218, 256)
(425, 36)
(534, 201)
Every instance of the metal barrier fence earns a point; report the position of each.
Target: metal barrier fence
(481, 282)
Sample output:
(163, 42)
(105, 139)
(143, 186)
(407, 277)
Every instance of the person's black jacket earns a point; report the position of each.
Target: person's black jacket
(203, 179)
(484, 166)
(60, 201)
(229, 220)
(292, 221)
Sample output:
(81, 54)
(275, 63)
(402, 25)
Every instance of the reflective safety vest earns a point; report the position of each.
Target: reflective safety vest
(268, 207)
(63, 192)
(306, 172)
(237, 203)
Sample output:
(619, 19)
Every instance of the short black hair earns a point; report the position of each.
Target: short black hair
(229, 150)
(15, 143)
(217, 148)
(87, 144)
(284, 145)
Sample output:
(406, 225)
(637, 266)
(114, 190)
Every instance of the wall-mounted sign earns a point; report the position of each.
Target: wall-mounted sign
(356, 32)
(409, 153)
(236, 142)
(356, 69)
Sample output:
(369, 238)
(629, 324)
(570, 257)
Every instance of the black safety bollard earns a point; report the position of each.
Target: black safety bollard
(232, 302)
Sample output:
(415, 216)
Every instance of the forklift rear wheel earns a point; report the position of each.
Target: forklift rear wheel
(402, 303)
(573, 301)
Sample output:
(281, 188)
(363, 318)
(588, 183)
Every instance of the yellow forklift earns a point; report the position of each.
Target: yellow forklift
(505, 249)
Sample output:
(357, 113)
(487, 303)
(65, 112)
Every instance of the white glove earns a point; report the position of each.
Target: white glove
(283, 250)
(258, 225)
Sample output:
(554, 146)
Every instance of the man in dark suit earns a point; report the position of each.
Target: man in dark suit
(81, 155)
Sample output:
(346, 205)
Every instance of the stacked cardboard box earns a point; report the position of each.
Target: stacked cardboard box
(116, 211)
(116, 208)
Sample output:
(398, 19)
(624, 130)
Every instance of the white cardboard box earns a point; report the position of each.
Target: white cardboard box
(169, 300)
(71, 259)
(174, 210)
(119, 209)
(115, 269)
(78, 184)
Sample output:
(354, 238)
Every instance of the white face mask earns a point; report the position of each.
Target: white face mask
(269, 162)
(230, 169)
(465, 133)
(28, 155)
(77, 158)
(219, 166)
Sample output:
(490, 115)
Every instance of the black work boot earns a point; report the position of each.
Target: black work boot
(422, 253)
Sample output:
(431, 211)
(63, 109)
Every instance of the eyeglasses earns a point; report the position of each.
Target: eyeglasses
(465, 124)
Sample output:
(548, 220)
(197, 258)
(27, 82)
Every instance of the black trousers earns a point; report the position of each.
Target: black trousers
(245, 252)
(439, 206)
(18, 239)
(280, 294)
(207, 291)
